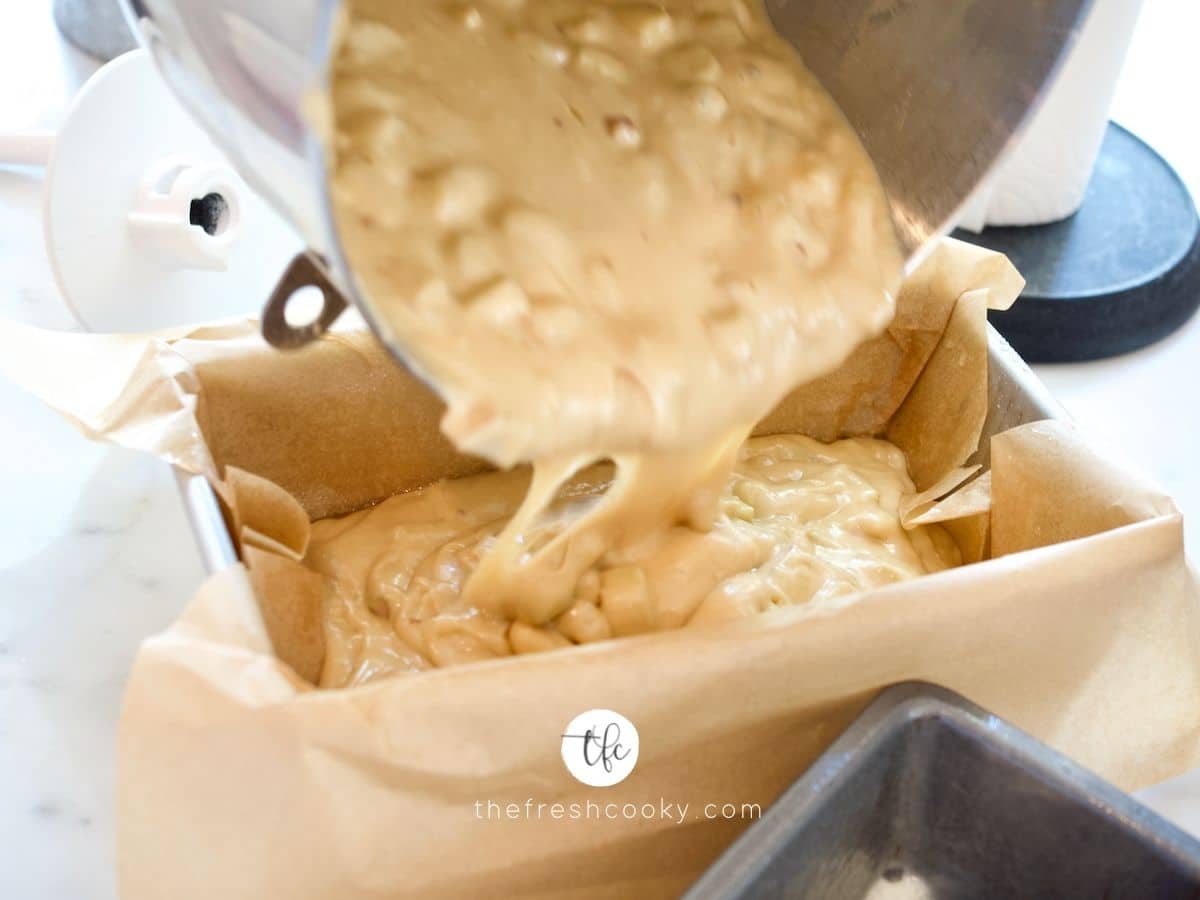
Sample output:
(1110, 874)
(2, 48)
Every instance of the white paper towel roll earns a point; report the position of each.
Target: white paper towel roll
(1046, 175)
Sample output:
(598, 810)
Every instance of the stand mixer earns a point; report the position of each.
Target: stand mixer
(936, 89)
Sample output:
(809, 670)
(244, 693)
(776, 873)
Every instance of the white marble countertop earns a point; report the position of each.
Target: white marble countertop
(79, 589)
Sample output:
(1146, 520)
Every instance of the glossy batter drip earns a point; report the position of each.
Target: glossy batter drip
(797, 522)
(604, 230)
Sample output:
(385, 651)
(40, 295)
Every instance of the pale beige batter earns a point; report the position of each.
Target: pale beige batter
(604, 230)
(798, 522)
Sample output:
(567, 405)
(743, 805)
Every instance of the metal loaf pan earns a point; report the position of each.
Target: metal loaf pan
(928, 796)
(1016, 395)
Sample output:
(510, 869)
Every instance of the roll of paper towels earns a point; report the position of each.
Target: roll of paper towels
(1044, 177)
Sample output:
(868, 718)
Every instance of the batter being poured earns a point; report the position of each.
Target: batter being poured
(603, 230)
(798, 522)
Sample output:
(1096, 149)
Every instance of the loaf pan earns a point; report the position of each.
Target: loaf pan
(928, 796)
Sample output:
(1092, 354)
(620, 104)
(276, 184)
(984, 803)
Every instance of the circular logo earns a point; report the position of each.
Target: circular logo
(600, 747)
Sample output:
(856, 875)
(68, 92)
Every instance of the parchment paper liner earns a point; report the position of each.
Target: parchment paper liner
(239, 780)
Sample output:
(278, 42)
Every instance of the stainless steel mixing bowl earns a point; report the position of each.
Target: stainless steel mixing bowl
(937, 90)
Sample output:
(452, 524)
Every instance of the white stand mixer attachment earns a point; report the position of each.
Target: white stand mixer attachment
(146, 224)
